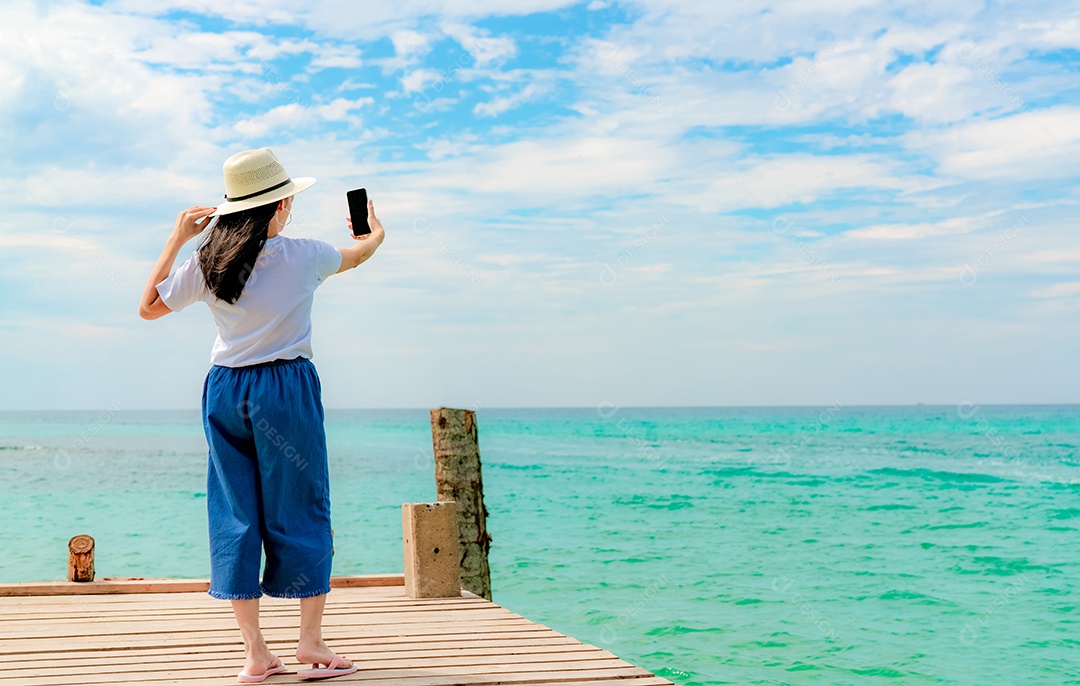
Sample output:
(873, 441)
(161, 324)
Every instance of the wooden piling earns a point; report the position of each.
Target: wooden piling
(457, 478)
(81, 558)
(430, 538)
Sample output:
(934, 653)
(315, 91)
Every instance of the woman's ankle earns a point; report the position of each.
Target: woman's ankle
(255, 646)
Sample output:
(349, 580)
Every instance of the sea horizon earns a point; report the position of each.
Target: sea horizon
(592, 407)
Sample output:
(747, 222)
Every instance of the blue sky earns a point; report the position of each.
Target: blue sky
(638, 203)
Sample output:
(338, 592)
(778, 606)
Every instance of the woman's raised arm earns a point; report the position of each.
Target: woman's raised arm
(189, 224)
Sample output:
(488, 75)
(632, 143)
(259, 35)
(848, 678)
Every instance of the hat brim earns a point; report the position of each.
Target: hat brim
(293, 187)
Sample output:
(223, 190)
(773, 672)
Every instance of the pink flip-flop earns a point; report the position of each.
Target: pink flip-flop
(330, 671)
(245, 678)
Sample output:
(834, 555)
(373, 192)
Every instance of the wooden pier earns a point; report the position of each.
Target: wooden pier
(169, 631)
(434, 625)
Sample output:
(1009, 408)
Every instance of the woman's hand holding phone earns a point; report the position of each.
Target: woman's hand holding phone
(373, 223)
(355, 254)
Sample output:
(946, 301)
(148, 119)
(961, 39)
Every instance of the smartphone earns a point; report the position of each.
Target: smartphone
(358, 211)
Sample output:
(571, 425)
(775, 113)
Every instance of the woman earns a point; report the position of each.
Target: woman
(267, 478)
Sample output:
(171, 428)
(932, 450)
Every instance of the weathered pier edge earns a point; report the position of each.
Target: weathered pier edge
(433, 625)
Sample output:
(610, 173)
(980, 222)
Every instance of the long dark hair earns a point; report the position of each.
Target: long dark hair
(232, 244)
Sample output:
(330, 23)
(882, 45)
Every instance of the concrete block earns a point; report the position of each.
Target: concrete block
(432, 559)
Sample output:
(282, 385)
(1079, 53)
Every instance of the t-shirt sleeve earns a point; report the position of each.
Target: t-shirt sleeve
(327, 260)
(184, 286)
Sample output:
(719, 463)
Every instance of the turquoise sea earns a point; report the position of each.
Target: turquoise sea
(829, 545)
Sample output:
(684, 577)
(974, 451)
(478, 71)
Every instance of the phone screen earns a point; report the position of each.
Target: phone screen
(358, 211)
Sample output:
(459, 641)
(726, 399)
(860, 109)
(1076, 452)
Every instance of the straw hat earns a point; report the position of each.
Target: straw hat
(256, 177)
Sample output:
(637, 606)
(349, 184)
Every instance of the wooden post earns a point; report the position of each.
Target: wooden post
(81, 558)
(457, 478)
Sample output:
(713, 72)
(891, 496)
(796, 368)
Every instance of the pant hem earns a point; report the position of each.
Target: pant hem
(295, 594)
(234, 596)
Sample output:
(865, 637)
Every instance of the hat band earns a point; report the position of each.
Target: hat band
(252, 195)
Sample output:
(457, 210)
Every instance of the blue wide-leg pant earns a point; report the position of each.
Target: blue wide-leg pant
(267, 484)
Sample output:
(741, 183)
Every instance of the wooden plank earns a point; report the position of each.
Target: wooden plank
(387, 651)
(39, 645)
(143, 585)
(650, 680)
(119, 627)
(22, 610)
(384, 660)
(21, 613)
(359, 615)
(184, 599)
(179, 600)
(487, 679)
(415, 678)
(432, 676)
(483, 679)
(477, 680)
(479, 642)
(44, 619)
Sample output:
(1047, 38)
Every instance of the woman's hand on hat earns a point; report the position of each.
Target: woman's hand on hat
(192, 221)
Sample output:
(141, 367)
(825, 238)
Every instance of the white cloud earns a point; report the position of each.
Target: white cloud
(485, 49)
(932, 92)
(1059, 33)
(1041, 143)
(267, 50)
(351, 84)
(438, 148)
(1058, 290)
(499, 105)
(410, 45)
(50, 241)
(507, 260)
(94, 186)
(11, 81)
(230, 50)
(794, 178)
(419, 79)
(537, 170)
(342, 56)
(297, 115)
(87, 84)
(901, 232)
(245, 11)
(1043, 257)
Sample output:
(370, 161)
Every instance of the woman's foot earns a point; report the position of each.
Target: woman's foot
(319, 653)
(259, 664)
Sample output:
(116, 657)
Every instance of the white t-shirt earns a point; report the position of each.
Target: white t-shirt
(272, 317)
